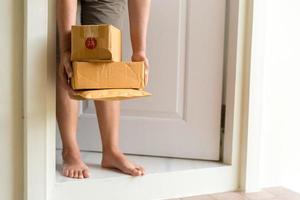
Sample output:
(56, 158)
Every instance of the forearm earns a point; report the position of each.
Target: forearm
(66, 17)
(138, 16)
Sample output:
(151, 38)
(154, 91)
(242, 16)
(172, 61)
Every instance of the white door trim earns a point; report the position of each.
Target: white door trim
(39, 102)
(39, 99)
(249, 180)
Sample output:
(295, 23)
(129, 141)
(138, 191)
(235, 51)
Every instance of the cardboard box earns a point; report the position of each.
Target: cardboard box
(97, 75)
(101, 43)
(109, 94)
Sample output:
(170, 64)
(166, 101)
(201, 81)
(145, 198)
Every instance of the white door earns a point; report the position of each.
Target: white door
(182, 118)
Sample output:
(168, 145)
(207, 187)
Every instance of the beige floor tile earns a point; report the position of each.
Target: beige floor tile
(202, 197)
(276, 193)
(278, 190)
(172, 199)
(230, 196)
(276, 199)
(291, 196)
(262, 195)
(283, 193)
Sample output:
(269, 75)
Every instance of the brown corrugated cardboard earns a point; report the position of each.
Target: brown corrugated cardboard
(96, 75)
(109, 94)
(96, 43)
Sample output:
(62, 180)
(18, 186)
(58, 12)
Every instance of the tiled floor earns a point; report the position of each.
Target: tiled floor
(277, 193)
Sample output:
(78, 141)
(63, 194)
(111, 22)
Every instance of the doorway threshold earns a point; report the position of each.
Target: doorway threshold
(152, 165)
(164, 178)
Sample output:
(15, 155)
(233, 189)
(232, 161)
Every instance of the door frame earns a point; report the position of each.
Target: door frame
(39, 104)
(250, 148)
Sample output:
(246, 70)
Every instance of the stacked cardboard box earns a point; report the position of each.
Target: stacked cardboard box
(98, 73)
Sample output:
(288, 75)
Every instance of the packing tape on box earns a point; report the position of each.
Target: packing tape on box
(89, 31)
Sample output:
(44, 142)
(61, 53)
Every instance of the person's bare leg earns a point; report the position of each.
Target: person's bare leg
(108, 113)
(67, 113)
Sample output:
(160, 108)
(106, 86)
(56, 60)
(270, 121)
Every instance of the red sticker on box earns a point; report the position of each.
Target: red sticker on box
(90, 43)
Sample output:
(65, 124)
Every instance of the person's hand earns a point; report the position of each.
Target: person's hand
(142, 57)
(65, 71)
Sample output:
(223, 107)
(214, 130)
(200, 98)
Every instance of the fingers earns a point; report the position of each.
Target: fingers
(65, 84)
(66, 61)
(66, 72)
(146, 71)
(146, 76)
(142, 57)
(64, 78)
(68, 69)
(61, 72)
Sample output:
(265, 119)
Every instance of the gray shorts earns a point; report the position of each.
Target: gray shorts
(98, 12)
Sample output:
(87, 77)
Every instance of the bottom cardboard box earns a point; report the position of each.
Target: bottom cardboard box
(107, 75)
(109, 94)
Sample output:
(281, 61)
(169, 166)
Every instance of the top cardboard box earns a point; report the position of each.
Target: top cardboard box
(102, 43)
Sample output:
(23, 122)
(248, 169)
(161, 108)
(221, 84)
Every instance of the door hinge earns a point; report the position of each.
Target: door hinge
(222, 130)
(223, 115)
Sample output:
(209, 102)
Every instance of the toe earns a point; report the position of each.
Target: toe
(134, 172)
(141, 168)
(86, 173)
(75, 174)
(80, 174)
(65, 172)
(140, 172)
(71, 173)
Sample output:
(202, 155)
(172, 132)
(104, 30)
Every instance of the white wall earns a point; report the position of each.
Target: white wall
(280, 139)
(11, 133)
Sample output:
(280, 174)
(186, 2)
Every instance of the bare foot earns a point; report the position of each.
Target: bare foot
(117, 160)
(73, 167)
